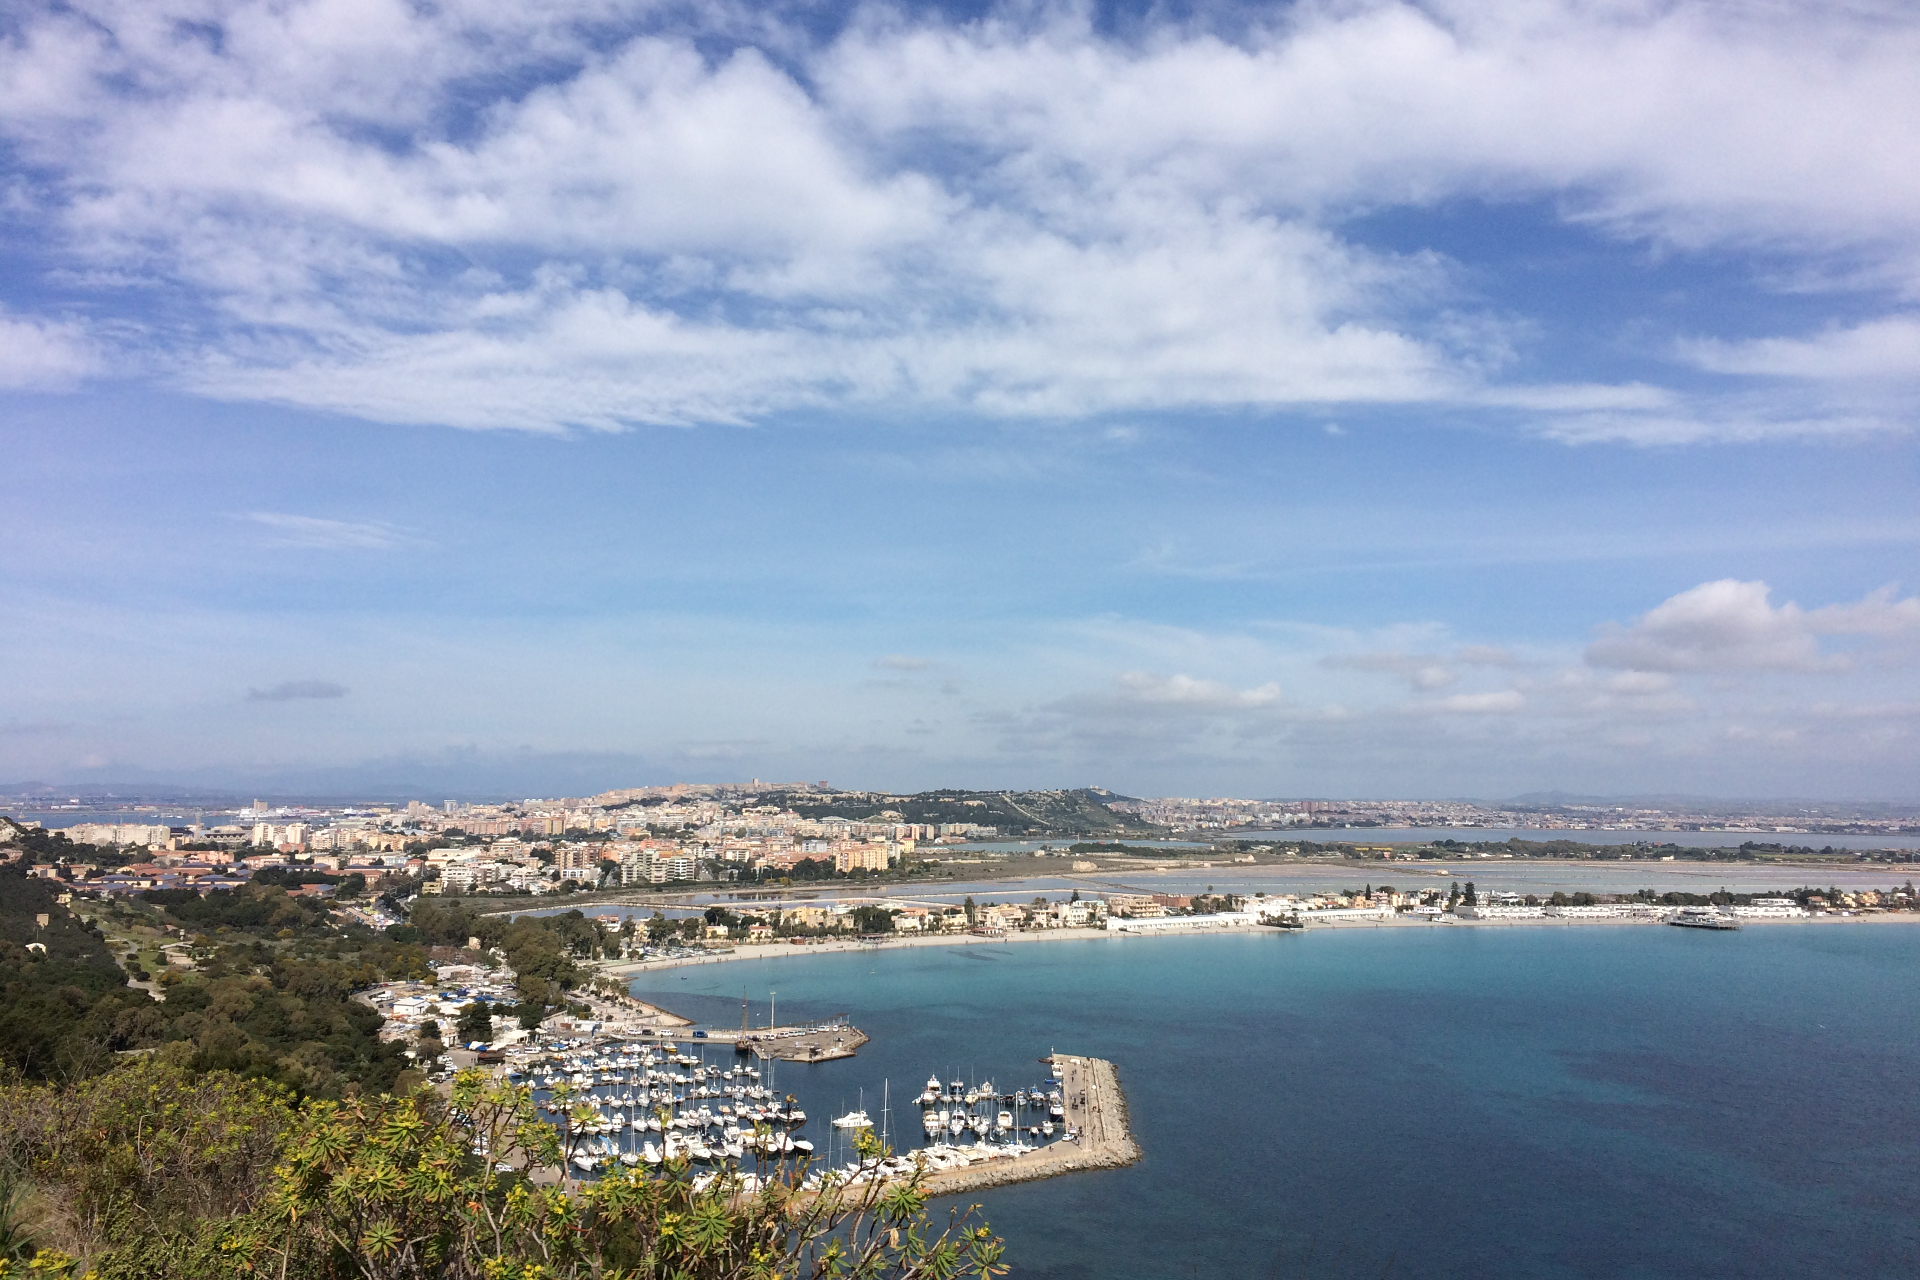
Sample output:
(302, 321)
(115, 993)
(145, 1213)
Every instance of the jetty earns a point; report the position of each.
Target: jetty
(802, 1044)
(1096, 1111)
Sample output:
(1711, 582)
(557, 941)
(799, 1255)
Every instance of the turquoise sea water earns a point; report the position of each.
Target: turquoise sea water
(1461, 1102)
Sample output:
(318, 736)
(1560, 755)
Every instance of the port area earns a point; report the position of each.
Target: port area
(801, 1044)
(1096, 1117)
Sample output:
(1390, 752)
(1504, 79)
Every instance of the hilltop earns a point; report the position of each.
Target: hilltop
(1075, 812)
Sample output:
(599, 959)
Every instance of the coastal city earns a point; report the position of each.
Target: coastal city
(480, 972)
(460, 946)
(752, 864)
(690, 834)
(959, 640)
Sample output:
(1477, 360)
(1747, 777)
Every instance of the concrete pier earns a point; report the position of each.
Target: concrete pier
(1095, 1107)
(822, 1044)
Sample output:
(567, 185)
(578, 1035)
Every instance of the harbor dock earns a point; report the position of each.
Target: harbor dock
(1096, 1110)
(812, 1044)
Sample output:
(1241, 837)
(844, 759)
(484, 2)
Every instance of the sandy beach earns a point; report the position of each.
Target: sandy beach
(777, 950)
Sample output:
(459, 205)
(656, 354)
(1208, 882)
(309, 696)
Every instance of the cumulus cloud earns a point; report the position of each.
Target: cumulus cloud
(691, 216)
(1734, 626)
(293, 690)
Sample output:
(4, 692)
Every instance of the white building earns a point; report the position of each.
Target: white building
(1487, 911)
(1324, 915)
(1176, 924)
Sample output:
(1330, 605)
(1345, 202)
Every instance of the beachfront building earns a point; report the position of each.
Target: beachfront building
(1501, 911)
(1176, 924)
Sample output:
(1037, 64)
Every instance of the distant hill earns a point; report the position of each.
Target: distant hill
(1080, 811)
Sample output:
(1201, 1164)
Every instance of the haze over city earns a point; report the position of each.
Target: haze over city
(1359, 399)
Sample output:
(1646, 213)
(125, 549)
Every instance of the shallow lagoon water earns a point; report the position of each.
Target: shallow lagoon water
(1606, 1101)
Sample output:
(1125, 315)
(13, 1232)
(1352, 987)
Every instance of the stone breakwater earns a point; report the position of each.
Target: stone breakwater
(1096, 1108)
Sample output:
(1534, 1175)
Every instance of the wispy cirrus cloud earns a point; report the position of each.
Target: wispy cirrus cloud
(328, 535)
(1886, 348)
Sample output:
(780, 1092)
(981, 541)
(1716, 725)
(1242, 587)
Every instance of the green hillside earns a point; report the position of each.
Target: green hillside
(1080, 811)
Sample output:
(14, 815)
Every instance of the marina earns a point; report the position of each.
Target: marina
(638, 1103)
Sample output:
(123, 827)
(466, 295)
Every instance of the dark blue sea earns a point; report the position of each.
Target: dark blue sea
(1459, 1102)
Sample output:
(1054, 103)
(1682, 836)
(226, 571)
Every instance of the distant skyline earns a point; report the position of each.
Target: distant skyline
(1283, 400)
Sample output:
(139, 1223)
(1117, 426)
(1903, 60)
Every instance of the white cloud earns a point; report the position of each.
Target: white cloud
(328, 535)
(1498, 702)
(1180, 691)
(1424, 671)
(1734, 626)
(1721, 422)
(37, 353)
(1640, 684)
(1885, 348)
(1017, 216)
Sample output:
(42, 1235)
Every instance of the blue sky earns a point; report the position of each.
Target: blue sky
(1322, 399)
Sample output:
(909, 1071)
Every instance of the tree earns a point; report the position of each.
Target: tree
(1469, 896)
(872, 920)
(390, 1189)
(973, 912)
(476, 1022)
(165, 1178)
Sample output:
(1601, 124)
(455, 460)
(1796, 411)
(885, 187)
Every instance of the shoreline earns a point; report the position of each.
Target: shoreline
(687, 896)
(630, 970)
